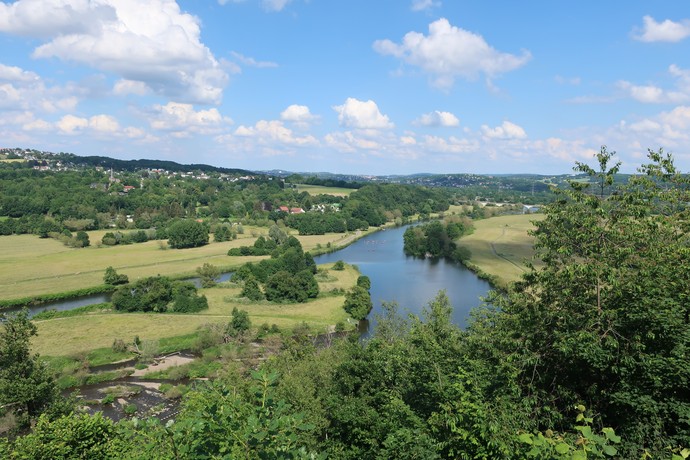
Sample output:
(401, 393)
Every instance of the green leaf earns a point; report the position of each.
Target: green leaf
(562, 448)
(610, 451)
(526, 438)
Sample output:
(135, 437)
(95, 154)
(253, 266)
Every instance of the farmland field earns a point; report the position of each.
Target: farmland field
(31, 266)
(500, 245)
(78, 334)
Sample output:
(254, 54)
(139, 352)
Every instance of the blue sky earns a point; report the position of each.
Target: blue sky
(365, 87)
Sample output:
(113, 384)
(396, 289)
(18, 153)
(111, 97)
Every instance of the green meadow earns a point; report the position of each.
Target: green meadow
(500, 246)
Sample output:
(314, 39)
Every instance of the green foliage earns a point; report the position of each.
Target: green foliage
(251, 290)
(159, 294)
(239, 324)
(605, 320)
(112, 278)
(583, 444)
(339, 265)
(364, 282)
(208, 274)
(26, 388)
(436, 239)
(69, 437)
(187, 233)
(358, 303)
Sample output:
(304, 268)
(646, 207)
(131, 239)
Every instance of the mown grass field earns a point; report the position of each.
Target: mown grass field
(80, 334)
(32, 266)
(500, 245)
(319, 190)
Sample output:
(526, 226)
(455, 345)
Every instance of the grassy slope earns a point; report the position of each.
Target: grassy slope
(75, 335)
(500, 245)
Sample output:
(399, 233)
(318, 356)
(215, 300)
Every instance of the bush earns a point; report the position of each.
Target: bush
(339, 265)
(187, 234)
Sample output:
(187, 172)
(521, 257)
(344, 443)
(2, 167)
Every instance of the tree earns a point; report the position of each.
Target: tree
(240, 322)
(358, 303)
(26, 387)
(605, 319)
(112, 278)
(251, 289)
(208, 274)
(187, 234)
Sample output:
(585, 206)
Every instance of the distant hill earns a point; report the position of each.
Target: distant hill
(116, 164)
(134, 165)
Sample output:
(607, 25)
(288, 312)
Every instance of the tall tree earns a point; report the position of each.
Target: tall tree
(26, 387)
(605, 320)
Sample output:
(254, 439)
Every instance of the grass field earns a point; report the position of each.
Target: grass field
(500, 245)
(80, 334)
(318, 190)
(32, 266)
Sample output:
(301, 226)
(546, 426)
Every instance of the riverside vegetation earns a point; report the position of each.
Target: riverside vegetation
(584, 357)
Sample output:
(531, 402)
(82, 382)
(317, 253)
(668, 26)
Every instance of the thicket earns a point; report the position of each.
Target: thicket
(437, 238)
(159, 294)
(288, 276)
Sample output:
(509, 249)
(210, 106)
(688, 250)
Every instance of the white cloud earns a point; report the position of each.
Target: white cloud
(450, 145)
(437, 118)
(151, 42)
(274, 132)
(361, 115)
(423, 5)
(16, 74)
(183, 120)
(124, 87)
(22, 90)
(449, 52)
(652, 94)
(666, 31)
(251, 62)
(506, 130)
(298, 115)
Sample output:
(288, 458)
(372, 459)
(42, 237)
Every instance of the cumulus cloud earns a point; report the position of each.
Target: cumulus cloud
(437, 118)
(361, 115)
(652, 94)
(274, 132)
(506, 130)
(22, 90)
(151, 42)
(666, 31)
(182, 120)
(449, 52)
(299, 115)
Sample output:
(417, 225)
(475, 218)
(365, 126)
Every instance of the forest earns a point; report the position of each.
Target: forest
(584, 357)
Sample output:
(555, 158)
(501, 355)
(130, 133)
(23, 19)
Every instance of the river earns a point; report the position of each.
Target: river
(410, 282)
(395, 277)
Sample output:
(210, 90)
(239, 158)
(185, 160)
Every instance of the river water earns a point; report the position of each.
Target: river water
(409, 281)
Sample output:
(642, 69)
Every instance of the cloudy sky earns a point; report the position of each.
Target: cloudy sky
(356, 86)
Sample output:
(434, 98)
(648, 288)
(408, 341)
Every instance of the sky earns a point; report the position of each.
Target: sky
(353, 87)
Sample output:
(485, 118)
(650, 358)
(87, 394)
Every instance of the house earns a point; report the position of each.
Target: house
(284, 209)
(296, 210)
(128, 188)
